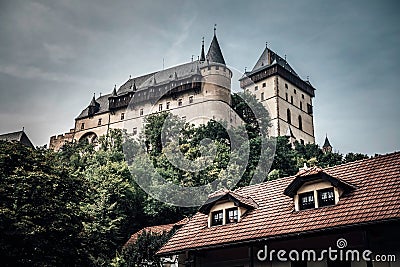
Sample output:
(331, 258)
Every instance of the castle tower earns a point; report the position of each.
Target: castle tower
(287, 97)
(196, 92)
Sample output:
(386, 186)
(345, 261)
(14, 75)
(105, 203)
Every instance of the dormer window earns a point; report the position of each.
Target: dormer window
(226, 207)
(306, 201)
(231, 215)
(217, 218)
(314, 188)
(326, 197)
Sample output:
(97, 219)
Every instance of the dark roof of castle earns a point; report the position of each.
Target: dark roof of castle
(214, 53)
(161, 77)
(178, 72)
(326, 143)
(19, 136)
(269, 58)
(102, 101)
(375, 199)
(93, 103)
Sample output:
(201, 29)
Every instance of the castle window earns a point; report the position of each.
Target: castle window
(306, 201)
(288, 116)
(326, 197)
(286, 86)
(256, 88)
(141, 112)
(300, 123)
(301, 105)
(295, 91)
(180, 103)
(184, 118)
(217, 67)
(302, 96)
(217, 218)
(159, 107)
(82, 126)
(190, 99)
(262, 96)
(309, 109)
(231, 215)
(134, 131)
(167, 106)
(302, 141)
(286, 96)
(291, 99)
(99, 122)
(122, 116)
(264, 84)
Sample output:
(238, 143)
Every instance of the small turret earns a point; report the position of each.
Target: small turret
(327, 148)
(202, 56)
(93, 107)
(114, 93)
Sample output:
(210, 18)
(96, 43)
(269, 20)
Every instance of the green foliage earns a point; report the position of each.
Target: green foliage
(40, 217)
(79, 206)
(143, 250)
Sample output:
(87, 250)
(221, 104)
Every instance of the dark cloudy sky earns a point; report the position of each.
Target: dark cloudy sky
(55, 54)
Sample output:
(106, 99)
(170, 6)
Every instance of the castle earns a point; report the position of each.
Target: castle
(197, 92)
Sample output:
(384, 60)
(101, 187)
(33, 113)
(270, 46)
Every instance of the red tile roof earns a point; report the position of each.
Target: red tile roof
(156, 229)
(376, 198)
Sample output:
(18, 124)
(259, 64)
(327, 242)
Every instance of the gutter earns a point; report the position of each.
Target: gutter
(296, 234)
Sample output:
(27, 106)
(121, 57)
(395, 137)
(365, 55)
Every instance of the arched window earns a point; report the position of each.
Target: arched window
(300, 123)
(288, 116)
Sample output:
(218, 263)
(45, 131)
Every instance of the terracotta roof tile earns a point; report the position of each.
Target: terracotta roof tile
(376, 198)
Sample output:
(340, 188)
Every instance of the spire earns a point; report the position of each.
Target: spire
(134, 86)
(214, 53)
(114, 93)
(202, 57)
(327, 145)
(93, 103)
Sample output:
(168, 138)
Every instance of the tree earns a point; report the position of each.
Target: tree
(143, 251)
(350, 157)
(40, 217)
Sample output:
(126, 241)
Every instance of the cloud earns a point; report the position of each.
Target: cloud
(36, 73)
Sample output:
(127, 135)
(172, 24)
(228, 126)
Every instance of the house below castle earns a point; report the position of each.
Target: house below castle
(343, 216)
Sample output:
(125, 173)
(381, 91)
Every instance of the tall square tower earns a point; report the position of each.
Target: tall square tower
(287, 97)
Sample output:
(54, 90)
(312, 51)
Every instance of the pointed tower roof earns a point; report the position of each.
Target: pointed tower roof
(326, 143)
(134, 85)
(214, 53)
(93, 103)
(269, 57)
(202, 56)
(114, 93)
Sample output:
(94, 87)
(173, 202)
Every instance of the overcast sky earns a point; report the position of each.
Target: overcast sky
(55, 54)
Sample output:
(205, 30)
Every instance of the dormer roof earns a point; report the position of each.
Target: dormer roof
(239, 200)
(315, 174)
